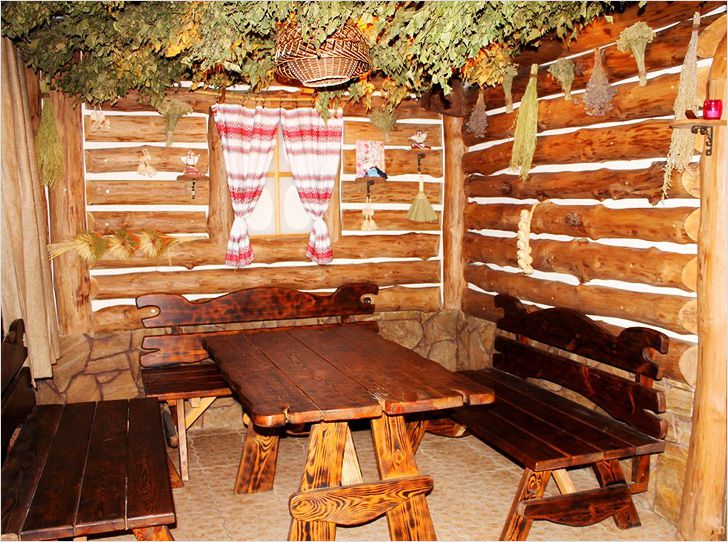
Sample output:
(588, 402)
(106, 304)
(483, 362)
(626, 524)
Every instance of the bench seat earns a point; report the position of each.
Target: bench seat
(88, 468)
(184, 382)
(544, 431)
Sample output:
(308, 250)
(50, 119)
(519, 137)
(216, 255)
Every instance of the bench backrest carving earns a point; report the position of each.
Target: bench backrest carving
(631, 401)
(249, 305)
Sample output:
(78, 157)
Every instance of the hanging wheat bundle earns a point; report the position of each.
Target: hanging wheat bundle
(48, 149)
(509, 73)
(598, 96)
(153, 244)
(682, 142)
(145, 167)
(563, 71)
(172, 110)
(122, 244)
(384, 120)
(89, 246)
(478, 122)
(524, 137)
(635, 38)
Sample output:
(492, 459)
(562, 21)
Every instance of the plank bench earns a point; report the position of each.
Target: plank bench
(546, 433)
(82, 468)
(176, 367)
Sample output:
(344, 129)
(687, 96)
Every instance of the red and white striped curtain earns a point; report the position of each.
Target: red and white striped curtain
(248, 138)
(314, 148)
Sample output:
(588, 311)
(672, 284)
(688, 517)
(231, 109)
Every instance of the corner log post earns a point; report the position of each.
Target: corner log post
(453, 222)
(66, 204)
(702, 513)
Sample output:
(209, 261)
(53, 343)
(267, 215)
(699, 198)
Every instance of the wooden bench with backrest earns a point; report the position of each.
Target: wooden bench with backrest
(547, 433)
(176, 367)
(79, 469)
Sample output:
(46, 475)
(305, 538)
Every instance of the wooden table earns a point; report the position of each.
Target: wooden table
(88, 468)
(329, 376)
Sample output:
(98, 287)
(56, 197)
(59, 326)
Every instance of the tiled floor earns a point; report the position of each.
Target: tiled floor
(474, 486)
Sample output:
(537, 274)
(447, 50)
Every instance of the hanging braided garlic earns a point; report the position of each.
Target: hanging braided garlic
(523, 246)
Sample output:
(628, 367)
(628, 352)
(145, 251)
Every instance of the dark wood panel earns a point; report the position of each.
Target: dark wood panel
(149, 494)
(400, 392)
(256, 304)
(581, 508)
(415, 366)
(338, 396)
(572, 331)
(625, 400)
(14, 353)
(24, 466)
(268, 397)
(18, 401)
(184, 382)
(53, 511)
(102, 506)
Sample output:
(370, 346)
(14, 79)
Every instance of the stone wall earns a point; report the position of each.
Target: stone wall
(107, 366)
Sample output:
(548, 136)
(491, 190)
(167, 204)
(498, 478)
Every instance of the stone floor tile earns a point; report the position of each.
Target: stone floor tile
(474, 486)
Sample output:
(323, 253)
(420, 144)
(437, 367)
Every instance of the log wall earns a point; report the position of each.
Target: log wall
(601, 241)
(401, 256)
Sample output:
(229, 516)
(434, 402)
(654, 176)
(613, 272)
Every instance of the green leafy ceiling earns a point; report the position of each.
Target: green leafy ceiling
(102, 50)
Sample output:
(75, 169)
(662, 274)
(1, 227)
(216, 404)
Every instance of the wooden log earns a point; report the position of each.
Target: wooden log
(205, 252)
(601, 31)
(599, 184)
(690, 180)
(585, 260)
(453, 221)
(162, 221)
(119, 318)
(665, 51)
(401, 162)
(581, 508)
(359, 503)
(677, 364)
(702, 513)
(212, 281)
(648, 139)
(400, 298)
(710, 36)
(147, 129)
(67, 218)
(400, 134)
(631, 102)
(220, 216)
(593, 221)
(388, 191)
(656, 309)
(127, 159)
(147, 192)
(387, 220)
(202, 101)
(692, 225)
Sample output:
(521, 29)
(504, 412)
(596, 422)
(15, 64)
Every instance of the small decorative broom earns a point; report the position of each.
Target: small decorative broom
(421, 209)
(48, 149)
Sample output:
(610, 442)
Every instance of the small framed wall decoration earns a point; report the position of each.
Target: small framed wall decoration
(370, 158)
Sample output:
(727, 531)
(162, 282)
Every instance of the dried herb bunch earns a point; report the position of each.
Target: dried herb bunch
(598, 96)
(635, 38)
(563, 71)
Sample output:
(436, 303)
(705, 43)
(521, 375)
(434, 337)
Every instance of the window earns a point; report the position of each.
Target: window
(279, 211)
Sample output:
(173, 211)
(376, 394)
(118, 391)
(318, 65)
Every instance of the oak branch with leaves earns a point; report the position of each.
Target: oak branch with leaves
(102, 50)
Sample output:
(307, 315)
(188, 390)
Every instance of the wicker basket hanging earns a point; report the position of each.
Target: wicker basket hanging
(343, 56)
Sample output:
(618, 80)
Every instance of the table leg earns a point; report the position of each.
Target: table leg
(410, 520)
(322, 470)
(257, 468)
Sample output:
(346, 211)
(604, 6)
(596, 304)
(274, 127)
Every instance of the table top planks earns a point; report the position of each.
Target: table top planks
(87, 468)
(334, 374)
